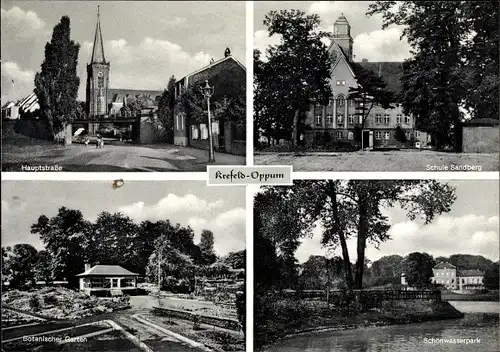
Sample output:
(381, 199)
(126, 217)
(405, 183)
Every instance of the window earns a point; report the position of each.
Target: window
(114, 283)
(339, 135)
(386, 136)
(378, 119)
(318, 119)
(351, 102)
(203, 131)
(329, 119)
(350, 135)
(387, 119)
(340, 119)
(417, 134)
(330, 102)
(338, 83)
(407, 119)
(351, 119)
(408, 134)
(399, 118)
(343, 83)
(195, 133)
(378, 135)
(340, 100)
(128, 283)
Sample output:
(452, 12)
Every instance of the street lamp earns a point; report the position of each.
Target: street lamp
(207, 92)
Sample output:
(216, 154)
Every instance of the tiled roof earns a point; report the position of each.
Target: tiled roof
(107, 270)
(445, 265)
(470, 273)
(389, 71)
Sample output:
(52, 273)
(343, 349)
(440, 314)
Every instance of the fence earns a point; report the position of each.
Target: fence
(374, 296)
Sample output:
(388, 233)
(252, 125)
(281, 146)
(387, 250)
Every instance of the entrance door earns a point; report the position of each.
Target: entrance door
(365, 139)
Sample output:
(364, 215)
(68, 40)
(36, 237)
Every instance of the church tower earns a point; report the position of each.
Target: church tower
(97, 77)
(342, 36)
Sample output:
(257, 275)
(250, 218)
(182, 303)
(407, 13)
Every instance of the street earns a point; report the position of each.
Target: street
(113, 158)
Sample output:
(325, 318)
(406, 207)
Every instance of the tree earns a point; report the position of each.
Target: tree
(21, 262)
(44, 270)
(207, 247)
(115, 241)
(192, 104)
(172, 263)
(417, 268)
(236, 260)
(387, 266)
(371, 91)
(166, 106)
(451, 47)
(353, 208)
(56, 85)
(66, 237)
(492, 276)
(297, 70)
(400, 135)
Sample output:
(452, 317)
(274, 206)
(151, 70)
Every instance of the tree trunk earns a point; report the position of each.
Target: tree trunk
(457, 130)
(345, 252)
(362, 234)
(295, 133)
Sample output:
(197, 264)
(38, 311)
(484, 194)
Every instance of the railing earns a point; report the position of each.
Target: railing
(368, 295)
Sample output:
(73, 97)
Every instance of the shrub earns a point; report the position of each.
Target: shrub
(34, 302)
(50, 299)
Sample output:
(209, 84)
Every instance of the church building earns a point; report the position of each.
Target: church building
(102, 101)
(338, 119)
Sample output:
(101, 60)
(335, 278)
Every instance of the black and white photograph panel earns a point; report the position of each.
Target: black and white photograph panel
(377, 85)
(123, 266)
(123, 85)
(377, 265)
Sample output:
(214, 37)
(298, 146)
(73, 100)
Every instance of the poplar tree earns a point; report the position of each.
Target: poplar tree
(56, 84)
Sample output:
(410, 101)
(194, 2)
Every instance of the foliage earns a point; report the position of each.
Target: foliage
(455, 48)
(295, 73)
(400, 135)
(166, 106)
(230, 109)
(370, 91)
(192, 103)
(492, 276)
(44, 266)
(418, 269)
(34, 302)
(345, 209)
(19, 262)
(56, 84)
(207, 247)
(241, 308)
(236, 260)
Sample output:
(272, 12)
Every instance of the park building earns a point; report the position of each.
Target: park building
(338, 120)
(449, 276)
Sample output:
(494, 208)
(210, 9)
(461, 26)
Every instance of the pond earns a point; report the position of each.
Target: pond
(479, 330)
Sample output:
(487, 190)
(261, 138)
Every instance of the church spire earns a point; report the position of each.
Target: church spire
(98, 50)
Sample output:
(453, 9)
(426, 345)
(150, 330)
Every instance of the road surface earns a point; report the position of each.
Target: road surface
(113, 158)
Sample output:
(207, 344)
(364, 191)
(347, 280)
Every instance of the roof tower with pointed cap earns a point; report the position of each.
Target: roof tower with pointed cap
(98, 50)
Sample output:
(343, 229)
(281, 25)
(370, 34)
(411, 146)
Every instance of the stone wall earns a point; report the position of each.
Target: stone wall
(481, 139)
(220, 322)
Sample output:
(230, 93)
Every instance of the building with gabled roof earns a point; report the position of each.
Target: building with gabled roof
(336, 122)
(107, 279)
(228, 77)
(447, 275)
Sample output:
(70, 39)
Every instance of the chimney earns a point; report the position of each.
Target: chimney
(87, 266)
(364, 60)
(227, 52)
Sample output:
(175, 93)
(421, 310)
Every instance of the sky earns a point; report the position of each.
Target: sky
(370, 41)
(221, 210)
(471, 227)
(146, 42)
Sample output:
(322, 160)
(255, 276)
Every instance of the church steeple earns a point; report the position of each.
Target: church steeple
(98, 50)
(342, 36)
(97, 77)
